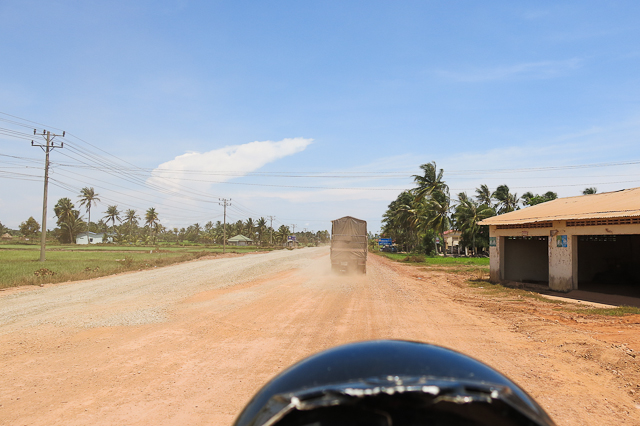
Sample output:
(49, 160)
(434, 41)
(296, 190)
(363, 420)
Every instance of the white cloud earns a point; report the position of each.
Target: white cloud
(225, 163)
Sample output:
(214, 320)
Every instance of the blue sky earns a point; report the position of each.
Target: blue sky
(337, 95)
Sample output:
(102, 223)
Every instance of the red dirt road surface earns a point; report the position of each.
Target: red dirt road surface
(191, 343)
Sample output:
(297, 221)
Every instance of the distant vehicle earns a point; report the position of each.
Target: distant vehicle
(349, 245)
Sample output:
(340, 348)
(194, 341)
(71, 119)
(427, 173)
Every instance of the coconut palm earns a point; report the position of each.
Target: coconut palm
(88, 197)
(131, 217)
(151, 219)
(249, 227)
(483, 195)
(435, 212)
(112, 214)
(282, 233)
(261, 227)
(507, 202)
(66, 213)
(430, 181)
(73, 225)
(64, 210)
(402, 219)
(467, 215)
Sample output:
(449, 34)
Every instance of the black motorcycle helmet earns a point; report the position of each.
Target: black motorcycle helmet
(391, 382)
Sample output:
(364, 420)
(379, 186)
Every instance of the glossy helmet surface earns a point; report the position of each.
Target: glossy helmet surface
(391, 382)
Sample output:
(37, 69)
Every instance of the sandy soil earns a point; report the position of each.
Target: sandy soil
(191, 343)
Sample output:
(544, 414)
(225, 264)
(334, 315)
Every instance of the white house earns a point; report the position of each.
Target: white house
(92, 238)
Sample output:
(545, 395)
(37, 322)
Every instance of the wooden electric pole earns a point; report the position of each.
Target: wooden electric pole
(224, 202)
(50, 146)
(271, 229)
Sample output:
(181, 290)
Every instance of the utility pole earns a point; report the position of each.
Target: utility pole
(271, 229)
(50, 146)
(224, 202)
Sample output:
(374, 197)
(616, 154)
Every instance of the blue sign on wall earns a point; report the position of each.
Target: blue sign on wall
(561, 240)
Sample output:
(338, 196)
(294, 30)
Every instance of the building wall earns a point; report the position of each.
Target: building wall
(563, 255)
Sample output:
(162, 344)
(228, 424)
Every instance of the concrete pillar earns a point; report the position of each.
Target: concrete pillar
(496, 259)
(563, 261)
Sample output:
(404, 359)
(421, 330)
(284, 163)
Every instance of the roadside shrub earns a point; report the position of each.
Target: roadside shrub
(43, 272)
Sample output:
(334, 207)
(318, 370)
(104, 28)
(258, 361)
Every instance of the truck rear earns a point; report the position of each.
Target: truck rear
(349, 245)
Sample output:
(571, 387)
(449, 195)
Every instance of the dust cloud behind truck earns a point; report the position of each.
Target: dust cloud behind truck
(349, 245)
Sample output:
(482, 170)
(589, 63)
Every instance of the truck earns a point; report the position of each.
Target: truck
(349, 245)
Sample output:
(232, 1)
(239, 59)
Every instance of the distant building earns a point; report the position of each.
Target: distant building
(93, 238)
(239, 240)
(6, 237)
(452, 239)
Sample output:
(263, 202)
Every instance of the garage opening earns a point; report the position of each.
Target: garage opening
(609, 264)
(526, 259)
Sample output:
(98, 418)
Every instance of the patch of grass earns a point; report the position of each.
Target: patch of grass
(21, 267)
(436, 260)
(618, 311)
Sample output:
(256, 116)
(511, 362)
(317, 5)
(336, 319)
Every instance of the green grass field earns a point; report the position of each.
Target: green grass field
(19, 263)
(437, 260)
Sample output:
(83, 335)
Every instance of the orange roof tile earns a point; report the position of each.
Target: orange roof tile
(623, 203)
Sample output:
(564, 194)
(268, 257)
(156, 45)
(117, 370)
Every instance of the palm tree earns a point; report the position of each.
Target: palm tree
(131, 217)
(468, 214)
(590, 191)
(400, 221)
(112, 214)
(462, 197)
(507, 202)
(261, 226)
(151, 219)
(430, 182)
(64, 210)
(436, 214)
(282, 233)
(238, 227)
(66, 214)
(87, 198)
(249, 226)
(527, 198)
(483, 195)
(73, 225)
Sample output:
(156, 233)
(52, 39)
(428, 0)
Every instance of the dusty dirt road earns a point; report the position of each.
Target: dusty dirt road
(191, 343)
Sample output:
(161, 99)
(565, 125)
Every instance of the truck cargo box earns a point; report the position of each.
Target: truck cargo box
(349, 245)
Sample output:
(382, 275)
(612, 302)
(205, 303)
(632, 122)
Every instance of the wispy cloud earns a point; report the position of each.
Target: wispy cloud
(526, 70)
(239, 159)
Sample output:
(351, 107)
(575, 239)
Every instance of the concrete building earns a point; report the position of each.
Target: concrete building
(592, 239)
(452, 240)
(92, 238)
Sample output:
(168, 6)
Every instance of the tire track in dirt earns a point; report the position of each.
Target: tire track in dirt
(220, 341)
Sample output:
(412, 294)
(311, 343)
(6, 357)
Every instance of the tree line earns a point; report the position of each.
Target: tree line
(419, 217)
(133, 227)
